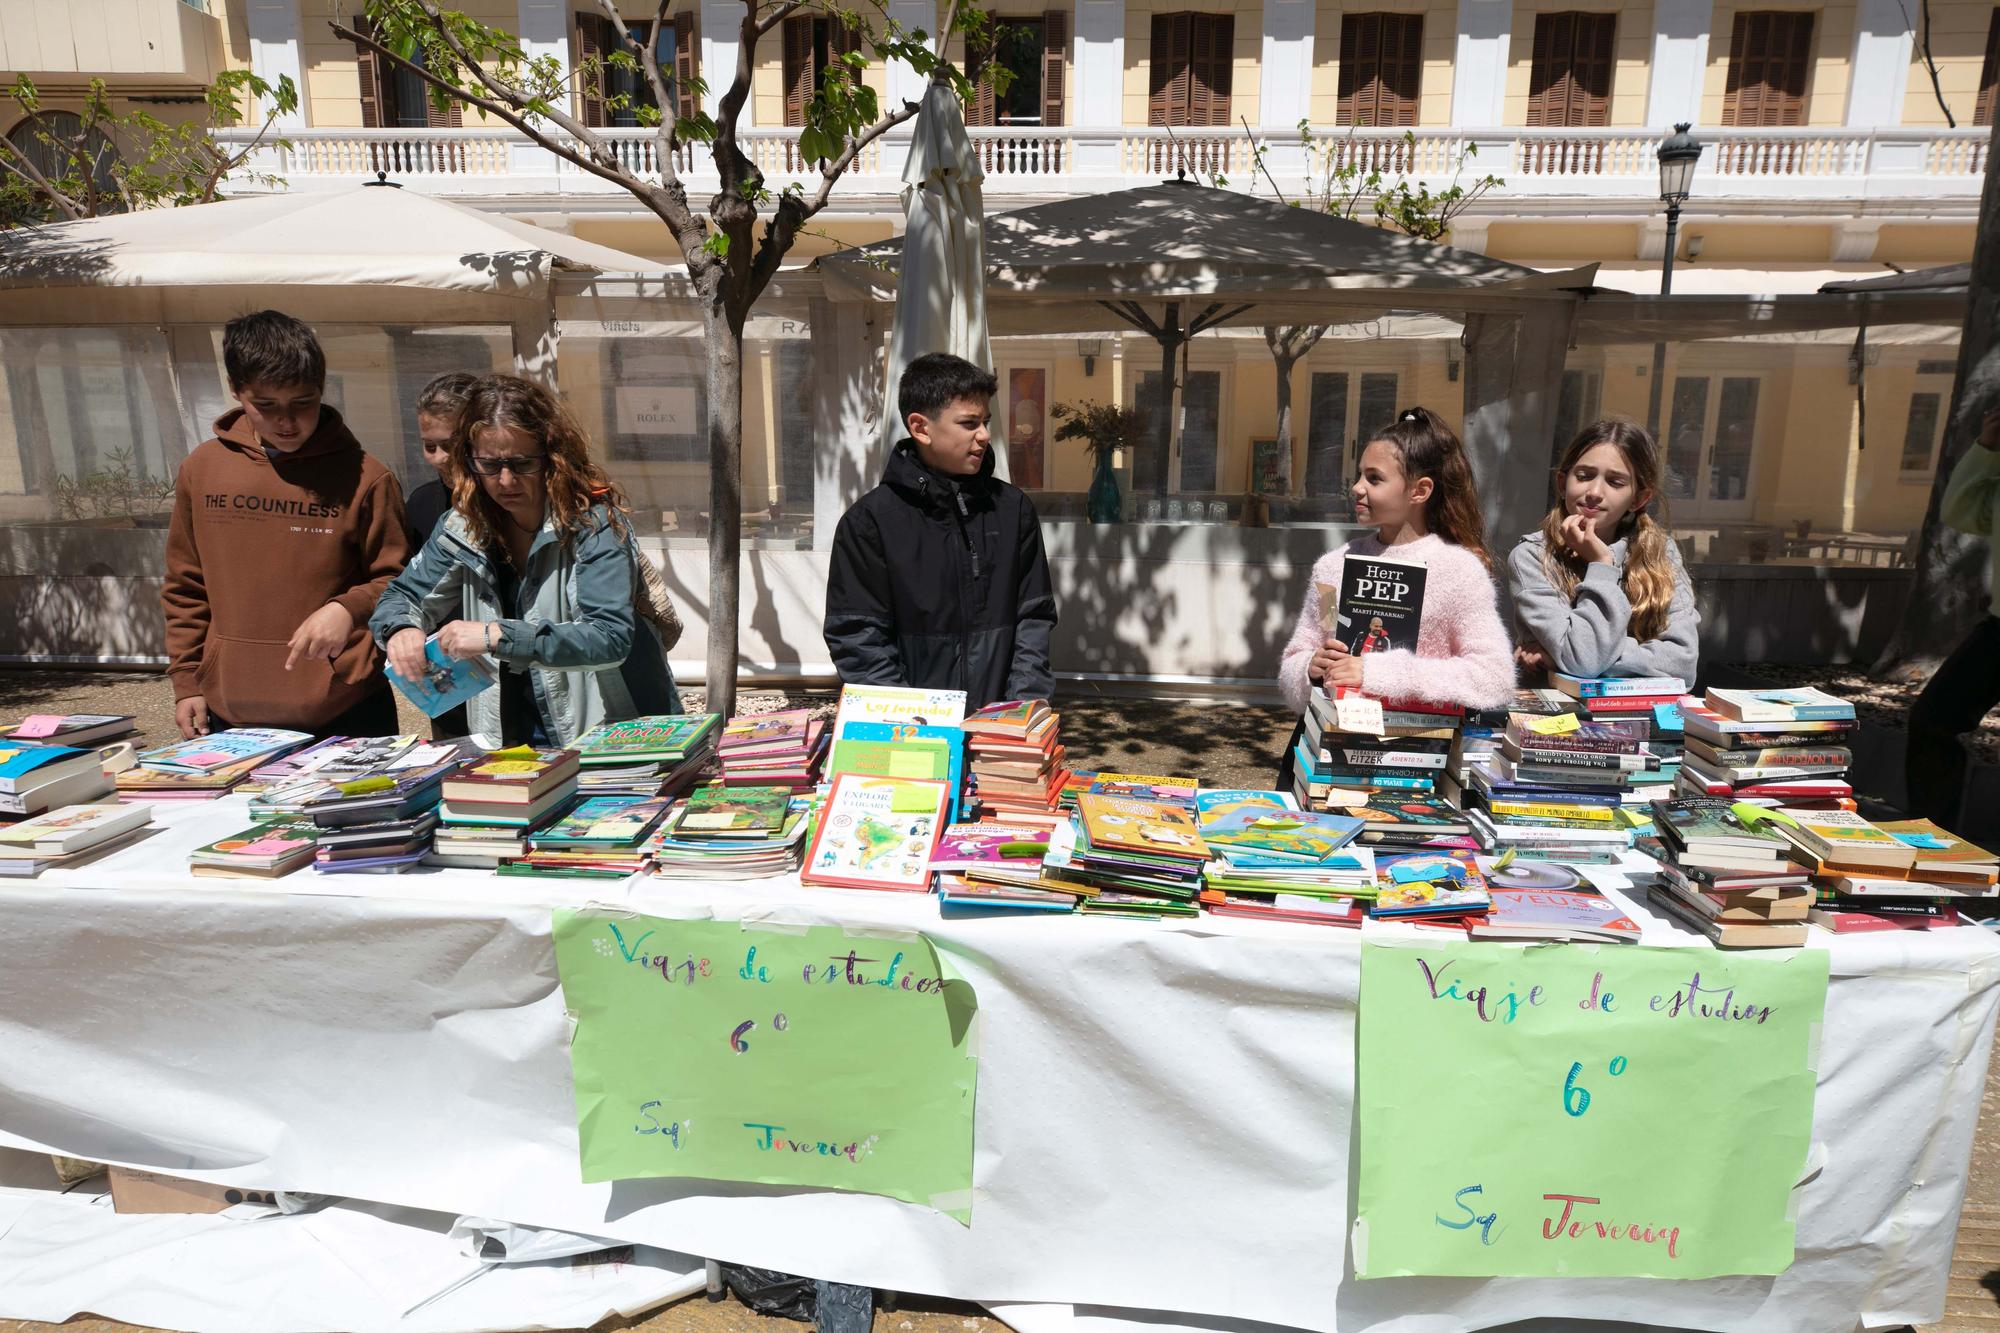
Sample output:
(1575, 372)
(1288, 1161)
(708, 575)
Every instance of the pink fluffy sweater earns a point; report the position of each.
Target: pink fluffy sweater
(1463, 655)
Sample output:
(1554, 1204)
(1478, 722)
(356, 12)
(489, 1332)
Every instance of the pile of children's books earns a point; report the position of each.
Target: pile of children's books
(1143, 857)
(206, 767)
(1015, 754)
(995, 865)
(35, 779)
(69, 836)
(1429, 886)
(1277, 862)
(1770, 747)
(1356, 744)
(877, 832)
(722, 832)
(493, 806)
(1728, 873)
(645, 756)
(887, 731)
(1907, 874)
(773, 750)
(601, 837)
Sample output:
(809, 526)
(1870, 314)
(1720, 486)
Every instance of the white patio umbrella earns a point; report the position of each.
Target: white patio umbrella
(941, 290)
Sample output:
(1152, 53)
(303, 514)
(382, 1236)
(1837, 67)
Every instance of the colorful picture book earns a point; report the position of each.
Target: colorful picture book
(992, 846)
(1158, 828)
(877, 833)
(665, 738)
(447, 681)
(222, 749)
(263, 851)
(518, 776)
(895, 703)
(1146, 787)
(732, 812)
(1429, 885)
(604, 822)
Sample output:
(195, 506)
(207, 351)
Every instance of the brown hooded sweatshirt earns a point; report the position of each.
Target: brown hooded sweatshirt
(256, 546)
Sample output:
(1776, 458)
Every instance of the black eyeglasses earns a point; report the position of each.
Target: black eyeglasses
(527, 465)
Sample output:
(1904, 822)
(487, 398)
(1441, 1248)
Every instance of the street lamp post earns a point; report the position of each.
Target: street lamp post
(1679, 153)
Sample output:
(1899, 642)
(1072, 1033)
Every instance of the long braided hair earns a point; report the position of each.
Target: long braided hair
(1649, 568)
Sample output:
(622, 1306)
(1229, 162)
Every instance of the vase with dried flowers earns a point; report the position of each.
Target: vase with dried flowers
(1104, 428)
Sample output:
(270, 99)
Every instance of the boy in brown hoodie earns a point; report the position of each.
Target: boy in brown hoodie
(284, 534)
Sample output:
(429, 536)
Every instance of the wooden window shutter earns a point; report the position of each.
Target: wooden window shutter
(982, 109)
(1212, 56)
(1173, 41)
(687, 67)
(1734, 95)
(1402, 68)
(375, 88)
(1360, 61)
(588, 41)
(799, 71)
(1548, 72)
(1591, 67)
(1055, 60)
(1770, 61)
(1796, 55)
(1989, 73)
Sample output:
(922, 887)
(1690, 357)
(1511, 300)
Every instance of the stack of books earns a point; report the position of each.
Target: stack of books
(493, 805)
(206, 767)
(332, 768)
(1143, 858)
(877, 833)
(1652, 700)
(1770, 747)
(382, 824)
(69, 836)
(1950, 882)
(1732, 878)
(1146, 787)
(1268, 854)
(1534, 900)
(1560, 783)
(263, 851)
(35, 779)
(645, 756)
(1353, 743)
(1429, 886)
(1392, 822)
(601, 837)
(884, 731)
(994, 865)
(672, 856)
(773, 750)
(79, 729)
(1015, 753)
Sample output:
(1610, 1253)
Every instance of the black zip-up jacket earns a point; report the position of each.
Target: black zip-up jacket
(942, 583)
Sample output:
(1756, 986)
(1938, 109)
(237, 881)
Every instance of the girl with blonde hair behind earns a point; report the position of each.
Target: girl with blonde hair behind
(1600, 590)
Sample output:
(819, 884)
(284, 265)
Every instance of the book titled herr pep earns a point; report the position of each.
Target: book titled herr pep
(1378, 604)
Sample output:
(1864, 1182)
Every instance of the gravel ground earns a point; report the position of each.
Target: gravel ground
(1224, 743)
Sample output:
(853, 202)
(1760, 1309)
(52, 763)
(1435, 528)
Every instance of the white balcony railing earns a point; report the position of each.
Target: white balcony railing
(1596, 164)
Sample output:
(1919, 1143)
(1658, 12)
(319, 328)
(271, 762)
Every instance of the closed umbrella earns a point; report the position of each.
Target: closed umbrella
(941, 290)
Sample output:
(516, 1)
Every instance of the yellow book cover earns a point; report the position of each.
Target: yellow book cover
(1158, 827)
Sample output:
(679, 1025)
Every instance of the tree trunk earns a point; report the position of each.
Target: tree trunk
(1949, 592)
(725, 498)
(1163, 413)
(1285, 363)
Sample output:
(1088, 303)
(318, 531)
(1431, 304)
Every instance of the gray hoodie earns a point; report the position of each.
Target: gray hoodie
(1588, 637)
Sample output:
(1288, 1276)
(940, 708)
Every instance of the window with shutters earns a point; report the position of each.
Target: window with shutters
(1989, 73)
(1770, 55)
(810, 42)
(1570, 80)
(1191, 66)
(396, 98)
(1381, 69)
(1032, 52)
(611, 94)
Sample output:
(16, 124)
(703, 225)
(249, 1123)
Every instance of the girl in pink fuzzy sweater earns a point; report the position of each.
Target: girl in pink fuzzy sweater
(1416, 489)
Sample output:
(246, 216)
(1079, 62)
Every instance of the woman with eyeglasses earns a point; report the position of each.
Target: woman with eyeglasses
(533, 567)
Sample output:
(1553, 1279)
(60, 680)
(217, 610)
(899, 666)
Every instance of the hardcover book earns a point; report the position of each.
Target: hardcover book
(517, 776)
(877, 833)
(733, 812)
(665, 738)
(1160, 828)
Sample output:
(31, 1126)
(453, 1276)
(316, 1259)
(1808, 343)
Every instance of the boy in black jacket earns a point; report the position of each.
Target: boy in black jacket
(938, 576)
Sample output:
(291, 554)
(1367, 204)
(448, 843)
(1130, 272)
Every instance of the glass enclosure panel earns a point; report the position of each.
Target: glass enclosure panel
(1326, 434)
(1920, 435)
(1686, 435)
(1201, 422)
(1735, 437)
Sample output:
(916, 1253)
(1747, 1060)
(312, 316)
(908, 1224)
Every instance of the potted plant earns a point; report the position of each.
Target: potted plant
(1104, 428)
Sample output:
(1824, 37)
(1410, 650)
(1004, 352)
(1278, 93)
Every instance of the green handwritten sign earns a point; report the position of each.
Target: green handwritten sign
(809, 1057)
(1575, 1111)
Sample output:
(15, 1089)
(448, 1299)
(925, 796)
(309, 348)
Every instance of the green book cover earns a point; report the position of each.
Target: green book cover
(927, 760)
(733, 811)
(667, 736)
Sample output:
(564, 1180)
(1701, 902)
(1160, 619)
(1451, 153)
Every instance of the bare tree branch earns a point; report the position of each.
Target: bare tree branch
(14, 160)
(779, 13)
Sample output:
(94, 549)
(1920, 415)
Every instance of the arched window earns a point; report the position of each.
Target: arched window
(48, 140)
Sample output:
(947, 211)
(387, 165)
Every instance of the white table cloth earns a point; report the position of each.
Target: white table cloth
(1164, 1110)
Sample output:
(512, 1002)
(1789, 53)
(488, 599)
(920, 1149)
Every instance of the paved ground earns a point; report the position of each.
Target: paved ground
(1225, 743)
